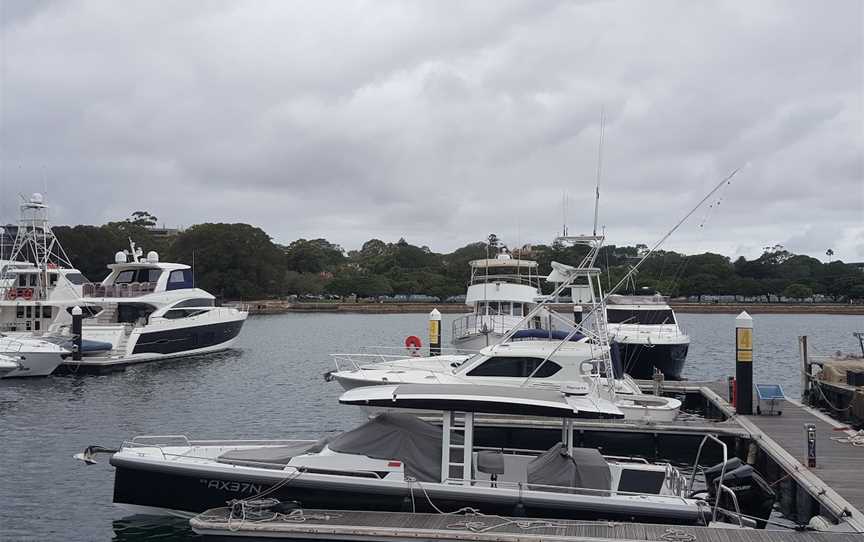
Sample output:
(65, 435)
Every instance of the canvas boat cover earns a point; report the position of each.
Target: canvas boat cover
(270, 456)
(586, 468)
(398, 436)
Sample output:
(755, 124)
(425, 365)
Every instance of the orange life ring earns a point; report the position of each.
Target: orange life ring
(28, 293)
(413, 344)
(11, 294)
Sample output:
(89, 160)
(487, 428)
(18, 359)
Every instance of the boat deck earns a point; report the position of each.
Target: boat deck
(399, 526)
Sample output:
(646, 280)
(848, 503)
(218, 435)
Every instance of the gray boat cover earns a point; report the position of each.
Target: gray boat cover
(398, 436)
(585, 469)
(270, 456)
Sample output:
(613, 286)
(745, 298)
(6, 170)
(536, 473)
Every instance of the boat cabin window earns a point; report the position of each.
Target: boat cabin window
(515, 367)
(194, 303)
(129, 276)
(180, 279)
(130, 313)
(75, 278)
(500, 308)
(629, 316)
(174, 314)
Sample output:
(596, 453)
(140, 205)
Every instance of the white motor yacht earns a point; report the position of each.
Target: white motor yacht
(147, 310)
(648, 335)
(501, 291)
(396, 461)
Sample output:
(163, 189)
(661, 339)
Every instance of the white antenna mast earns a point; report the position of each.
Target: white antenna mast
(599, 168)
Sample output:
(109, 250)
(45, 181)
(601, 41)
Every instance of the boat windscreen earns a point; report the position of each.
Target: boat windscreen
(399, 436)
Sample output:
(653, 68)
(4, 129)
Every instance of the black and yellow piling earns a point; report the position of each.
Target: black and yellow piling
(435, 333)
(744, 363)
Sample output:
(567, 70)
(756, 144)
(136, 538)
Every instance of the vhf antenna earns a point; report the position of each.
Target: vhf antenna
(599, 168)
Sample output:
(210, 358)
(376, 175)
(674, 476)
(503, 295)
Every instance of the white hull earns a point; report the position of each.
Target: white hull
(36, 364)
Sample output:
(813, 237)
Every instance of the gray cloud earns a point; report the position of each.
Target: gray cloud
(442, 121)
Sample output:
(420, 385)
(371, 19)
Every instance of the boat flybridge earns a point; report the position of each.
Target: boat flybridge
(397, 462)
(38, 284)
(648, 335)
(500, 292)
(578, 354)
(147, 310)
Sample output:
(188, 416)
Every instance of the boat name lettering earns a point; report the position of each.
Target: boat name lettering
(235, 487)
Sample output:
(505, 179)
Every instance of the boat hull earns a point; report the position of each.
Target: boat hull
(640, 360)
(35, 364)
(184, 490)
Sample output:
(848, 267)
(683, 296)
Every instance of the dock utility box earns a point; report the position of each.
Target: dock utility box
(769, 397)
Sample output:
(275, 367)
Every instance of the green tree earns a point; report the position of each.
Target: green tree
(235, 261)
(797, 291)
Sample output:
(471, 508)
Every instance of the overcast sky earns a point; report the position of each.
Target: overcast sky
(443, 121)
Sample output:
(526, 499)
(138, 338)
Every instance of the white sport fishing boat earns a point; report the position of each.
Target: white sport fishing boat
(396, 461)
(581, 356)
(529, 363)
(500, 292)
(38, 284)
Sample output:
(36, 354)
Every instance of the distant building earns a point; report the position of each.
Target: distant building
(164, 232)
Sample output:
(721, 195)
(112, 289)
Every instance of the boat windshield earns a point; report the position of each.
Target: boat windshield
(649, 317)
(468, 360)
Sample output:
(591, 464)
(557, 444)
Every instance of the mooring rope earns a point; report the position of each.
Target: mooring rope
(856, 439)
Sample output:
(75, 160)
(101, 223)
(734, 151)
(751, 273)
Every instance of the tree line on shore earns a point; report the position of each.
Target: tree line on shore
(240, 261)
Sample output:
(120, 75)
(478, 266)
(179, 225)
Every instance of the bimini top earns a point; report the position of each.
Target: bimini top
(483, 399)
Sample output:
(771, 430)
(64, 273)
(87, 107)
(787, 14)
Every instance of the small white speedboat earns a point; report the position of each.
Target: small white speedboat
(33, 356)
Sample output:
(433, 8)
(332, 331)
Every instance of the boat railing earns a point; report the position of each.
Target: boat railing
(371, 355)
(481, 278)
(479, 324)
(526, 486)
(721, 487)
(663, 330)
(131, 289)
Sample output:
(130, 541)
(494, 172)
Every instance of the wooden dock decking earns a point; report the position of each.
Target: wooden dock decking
(837, 482)
(839, 468)
(400, 526)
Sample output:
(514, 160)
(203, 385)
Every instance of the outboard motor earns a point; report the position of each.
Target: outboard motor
(755, 496)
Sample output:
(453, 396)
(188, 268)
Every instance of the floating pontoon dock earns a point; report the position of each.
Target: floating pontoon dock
(403, 527)
(829, 497)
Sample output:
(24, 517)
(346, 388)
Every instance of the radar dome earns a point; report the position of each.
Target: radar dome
(120, 257)
(36, 198)
(153, 257)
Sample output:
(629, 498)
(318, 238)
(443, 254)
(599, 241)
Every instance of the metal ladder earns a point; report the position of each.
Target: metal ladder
(460, 470)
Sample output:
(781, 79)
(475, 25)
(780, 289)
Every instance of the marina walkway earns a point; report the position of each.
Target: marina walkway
(378, 526)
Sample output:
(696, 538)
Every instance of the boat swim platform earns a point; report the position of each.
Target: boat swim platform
(405, 526)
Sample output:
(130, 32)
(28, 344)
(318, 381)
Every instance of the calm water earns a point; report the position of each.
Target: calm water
(271, 386)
